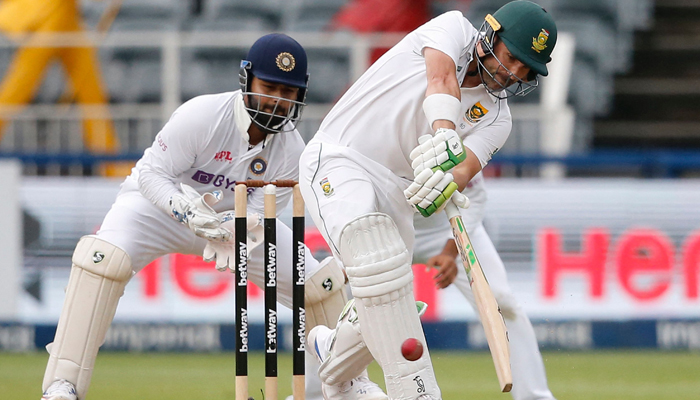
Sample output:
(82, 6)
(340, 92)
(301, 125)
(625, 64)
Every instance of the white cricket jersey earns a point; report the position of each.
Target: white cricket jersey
(205, 145)
(381, 115)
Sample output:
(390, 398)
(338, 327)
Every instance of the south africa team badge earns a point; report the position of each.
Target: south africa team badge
(258, 166)
(475, 113)
(326, 187)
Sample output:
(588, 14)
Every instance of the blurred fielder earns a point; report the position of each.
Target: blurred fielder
(173, 202)
(529, 378)
(394, 136)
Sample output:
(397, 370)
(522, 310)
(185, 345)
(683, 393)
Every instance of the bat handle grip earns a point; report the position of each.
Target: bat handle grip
(457, 200)
(451, 210)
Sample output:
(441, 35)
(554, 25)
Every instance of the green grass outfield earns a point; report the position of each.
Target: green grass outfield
(613, 375)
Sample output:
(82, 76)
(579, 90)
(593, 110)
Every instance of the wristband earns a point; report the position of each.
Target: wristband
(442, 106)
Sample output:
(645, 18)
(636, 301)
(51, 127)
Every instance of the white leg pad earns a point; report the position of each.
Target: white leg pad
(324, 295)
(379, 270)
(99, 274)
(324, 299)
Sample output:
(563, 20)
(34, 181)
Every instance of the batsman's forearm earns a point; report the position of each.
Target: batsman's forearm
(466, 170)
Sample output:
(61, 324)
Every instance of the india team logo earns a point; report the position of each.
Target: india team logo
(326, 187)
(540, 42)
(258, 166)
(285, 61)
(475, 113)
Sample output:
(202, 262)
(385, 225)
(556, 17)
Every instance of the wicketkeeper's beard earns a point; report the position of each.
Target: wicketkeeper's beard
(267, 118)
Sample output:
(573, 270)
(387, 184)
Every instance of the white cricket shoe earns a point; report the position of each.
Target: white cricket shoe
(360, 388)
(365, 389)
(60, 390)
(341, 352)
(341, 391)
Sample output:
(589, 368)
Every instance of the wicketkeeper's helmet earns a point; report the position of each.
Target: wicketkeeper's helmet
(275, 58)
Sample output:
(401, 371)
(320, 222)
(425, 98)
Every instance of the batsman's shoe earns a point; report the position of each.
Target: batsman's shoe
(365, 389)
(341, 391)
(341, 352)
(60, 390)
(360, 388)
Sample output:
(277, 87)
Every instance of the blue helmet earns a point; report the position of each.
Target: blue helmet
(278, 58)
(275, 58)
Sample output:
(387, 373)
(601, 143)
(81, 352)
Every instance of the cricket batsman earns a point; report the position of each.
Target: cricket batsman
(385, 151)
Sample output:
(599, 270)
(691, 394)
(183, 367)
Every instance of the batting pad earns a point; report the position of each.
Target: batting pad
(379, 269)
(324, 295)
(98, 276)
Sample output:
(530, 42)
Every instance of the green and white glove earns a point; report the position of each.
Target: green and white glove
(442, 151)
(430, 191)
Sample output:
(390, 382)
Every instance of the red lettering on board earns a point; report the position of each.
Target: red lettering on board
(644, 252)
(590, 262)
(691, 264)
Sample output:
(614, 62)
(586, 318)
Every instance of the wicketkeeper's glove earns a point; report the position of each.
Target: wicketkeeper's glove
(225, 252)
(195, 211)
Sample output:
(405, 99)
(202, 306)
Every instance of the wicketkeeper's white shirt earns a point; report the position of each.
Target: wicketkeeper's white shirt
(205, 145)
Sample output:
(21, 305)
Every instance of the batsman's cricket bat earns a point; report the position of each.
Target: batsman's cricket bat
(489, 313)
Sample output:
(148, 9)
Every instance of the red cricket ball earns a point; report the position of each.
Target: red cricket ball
(411, 349)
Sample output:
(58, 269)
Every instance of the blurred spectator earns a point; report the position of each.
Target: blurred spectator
(30, 62)
(364, 16)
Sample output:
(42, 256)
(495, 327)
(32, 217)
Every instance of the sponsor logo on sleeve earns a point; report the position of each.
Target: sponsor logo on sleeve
(223, 156)
(161, 143)
(202, 177)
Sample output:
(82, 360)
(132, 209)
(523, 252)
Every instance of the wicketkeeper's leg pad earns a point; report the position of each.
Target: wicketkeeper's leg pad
(378, 265)
(99, 274)
(324, 295)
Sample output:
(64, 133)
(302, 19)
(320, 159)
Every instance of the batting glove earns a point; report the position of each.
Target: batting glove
(430, 191)
(195, 211)
(440, 152)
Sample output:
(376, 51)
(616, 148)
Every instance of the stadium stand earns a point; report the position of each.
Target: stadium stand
(656, 105)
(604, 32)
